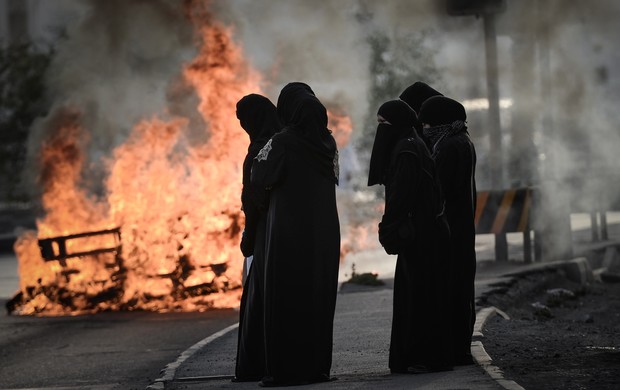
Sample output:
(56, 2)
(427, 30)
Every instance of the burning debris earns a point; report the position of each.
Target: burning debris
(95, 279)
(76, 288)
(174, 201)
(148, 217)
(56, 248)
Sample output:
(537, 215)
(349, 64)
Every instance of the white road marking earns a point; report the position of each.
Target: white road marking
(170, 370)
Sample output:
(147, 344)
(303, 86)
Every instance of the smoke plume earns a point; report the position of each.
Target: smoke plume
(120, 62)
(116, 65)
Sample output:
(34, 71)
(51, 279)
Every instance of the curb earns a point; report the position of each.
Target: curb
(611, 259)
(480, 354)
(169, 372)
(577, 269)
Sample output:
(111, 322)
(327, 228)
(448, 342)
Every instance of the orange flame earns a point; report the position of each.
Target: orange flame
(178, 204)
(341, 126)
(61, 161)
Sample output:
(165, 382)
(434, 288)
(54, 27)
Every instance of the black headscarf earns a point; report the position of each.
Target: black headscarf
(415, 94)
(302, 113)
(258, 117)
(289, 93)
(401, 120)
(445, 116)
(441, 110)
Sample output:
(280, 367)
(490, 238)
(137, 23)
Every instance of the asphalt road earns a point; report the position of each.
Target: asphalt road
(123, 350)
(120, 350)
(127, 350)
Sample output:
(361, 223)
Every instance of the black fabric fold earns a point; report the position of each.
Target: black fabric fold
(302, 112)
(400, 124)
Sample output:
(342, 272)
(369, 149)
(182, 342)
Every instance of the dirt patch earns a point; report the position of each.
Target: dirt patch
(560, 335)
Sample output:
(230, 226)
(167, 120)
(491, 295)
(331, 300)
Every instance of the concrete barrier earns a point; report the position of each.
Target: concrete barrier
(505, 211)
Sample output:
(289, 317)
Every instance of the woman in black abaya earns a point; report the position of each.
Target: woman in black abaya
(413, 226)
(299, 167)
(258, 117)
(455, 157)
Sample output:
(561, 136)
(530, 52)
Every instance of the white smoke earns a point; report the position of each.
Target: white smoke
(580, 147)
(325, 44)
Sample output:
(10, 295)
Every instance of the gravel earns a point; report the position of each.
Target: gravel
(560, 335)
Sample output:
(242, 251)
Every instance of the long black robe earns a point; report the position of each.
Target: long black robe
(455, 159)
(420, 324)
(258, 117)
(302, 250)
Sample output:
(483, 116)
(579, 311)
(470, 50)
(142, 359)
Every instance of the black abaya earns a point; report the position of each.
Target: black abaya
(302, 244)
(258, 117)
(420, 339)
(421, 324)
(455, 158)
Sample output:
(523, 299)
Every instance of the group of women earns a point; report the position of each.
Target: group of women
(423, 156)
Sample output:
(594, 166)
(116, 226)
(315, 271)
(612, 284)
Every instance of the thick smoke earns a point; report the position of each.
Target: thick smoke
(121, 60)
(575, 120)
(320, 43)
(326, 44)
(115, 66)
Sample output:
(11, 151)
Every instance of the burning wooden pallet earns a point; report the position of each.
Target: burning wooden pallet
(56, 248)
(91, 275)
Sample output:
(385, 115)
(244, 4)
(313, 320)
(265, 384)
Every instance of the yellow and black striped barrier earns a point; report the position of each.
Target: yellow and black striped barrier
(505, 211)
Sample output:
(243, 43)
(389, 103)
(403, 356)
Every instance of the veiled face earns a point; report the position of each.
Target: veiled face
(242, 121)
(248, 110)
(290, 99)
(396, 113)
(395, 121)
(381, 120)
(253, 112)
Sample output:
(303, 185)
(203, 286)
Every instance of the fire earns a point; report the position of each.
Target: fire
(164, 233)
(177, 204)
(61, 161)
(341, 126)
(359, 219)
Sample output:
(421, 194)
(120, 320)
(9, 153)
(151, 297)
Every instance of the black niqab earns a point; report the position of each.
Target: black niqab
(258, 117)
(302, 112)
(415, 94)
(402, 120)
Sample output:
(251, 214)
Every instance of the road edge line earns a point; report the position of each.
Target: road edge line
(170, 370)
(481, 356)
